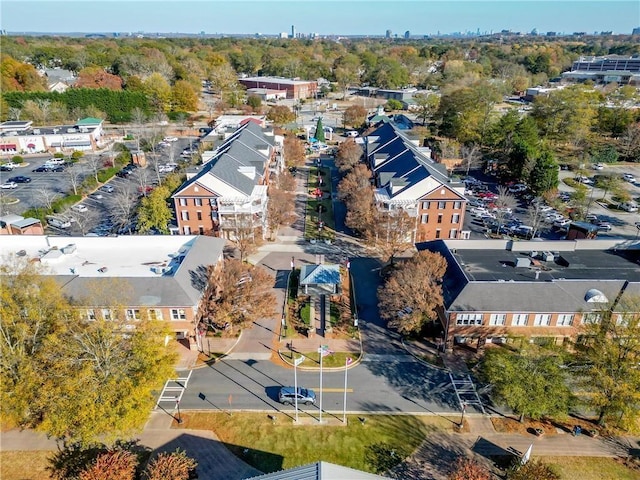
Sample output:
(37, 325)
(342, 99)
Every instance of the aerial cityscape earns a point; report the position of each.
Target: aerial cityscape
(320, 240)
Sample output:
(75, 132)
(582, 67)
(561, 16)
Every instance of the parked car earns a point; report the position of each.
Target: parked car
(80, 208)
(584, 180)
(629, 206)
(351, 134)
(107, 188)
(7, 167)
(591, 217)
(8, 185)
(20, 179)
(517, 188)
(604, 226)
(170, 139)
(563, 223)
(597, 166)
(55, 161)
(42, 168)
(58, 222)
(123, 173)
(287, 396)
(629, 178)
(57, 168)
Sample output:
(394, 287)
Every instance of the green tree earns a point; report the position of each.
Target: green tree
(531, 382)
(414, 288)
(392, 104)
(345, 72)
(609, 351)
(427, 106)
(255, 102)
(154, 212)
(544, 174)
(320, 131)
(280, 114)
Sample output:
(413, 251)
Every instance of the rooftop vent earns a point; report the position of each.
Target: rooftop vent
(523, 262)
(69, 249)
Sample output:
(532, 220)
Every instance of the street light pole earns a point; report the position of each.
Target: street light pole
(179, 419)
(464, 408)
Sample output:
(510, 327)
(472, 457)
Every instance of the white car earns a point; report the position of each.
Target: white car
(562, 223)
(7, 185)
(597, 166)
(170, 139)
(80, 208)
(352, 134)
(629, 178)
(479, 211)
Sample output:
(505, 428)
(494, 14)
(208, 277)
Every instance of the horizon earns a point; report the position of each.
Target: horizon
(327, 18)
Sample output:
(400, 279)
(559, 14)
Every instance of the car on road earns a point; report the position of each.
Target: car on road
(170, 139)
(20, 179)
(288, 395)
(106, 188)
(629, 178)
(8, 185)
(604, 226)
(597, 166)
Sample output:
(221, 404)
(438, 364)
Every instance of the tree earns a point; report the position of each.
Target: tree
(241, 229)
(154, 212)
(170, 466)
(183, 97)
(533, 469)
(97, 77)
(73, 174)
(94, 162)
(72, 379)
(535, 215)
(281, 114)
(608, 183)
(609, 351)
(531, 382)
(544, 175)
(320, 131)
(415, 288)
(280, 209)
(255, 102)
(392, 104)
(355, 116)
(158, 91)
(356, 191)
(112, 465)
(244, 294)
(427, 105)
(504, 203)
(468, 469)
(349, 155)
(294, 154)
(630, 143)
(390, 233)
(471, 157)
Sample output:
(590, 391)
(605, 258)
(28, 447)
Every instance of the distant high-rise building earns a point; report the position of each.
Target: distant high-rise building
(293, 31)
(636, 31)
(407, 34)
(388, 34)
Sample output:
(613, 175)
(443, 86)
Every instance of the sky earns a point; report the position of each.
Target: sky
(337, 17)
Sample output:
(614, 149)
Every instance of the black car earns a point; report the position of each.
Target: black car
(42, 168)
(20, 179)
(123, 173)
(59, 168)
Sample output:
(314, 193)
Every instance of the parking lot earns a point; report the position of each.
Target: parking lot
(108, 210)
(615, 223)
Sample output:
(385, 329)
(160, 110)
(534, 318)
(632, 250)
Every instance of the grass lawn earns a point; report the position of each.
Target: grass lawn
(591, 468)
(272, 446)
(312, 359)
(29, 465)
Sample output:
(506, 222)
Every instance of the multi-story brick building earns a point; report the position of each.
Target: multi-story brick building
(229, 191)
(162, 277)
(407, 179)
(295, 88)
(541, 290)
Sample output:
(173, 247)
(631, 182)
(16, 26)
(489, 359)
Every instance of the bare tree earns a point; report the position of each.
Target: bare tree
(471, 157)
(95, 163)
(123, 201)
(45, 196)
(143, 181)
(504, 203)
(82, 220)
(73, 175)
(390, 233)
(139, 119)
(280, 209)
(535, 215)
(242, 230)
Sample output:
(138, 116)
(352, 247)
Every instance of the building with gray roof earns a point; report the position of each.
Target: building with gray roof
(544, 290)
(228, 191)
(319, 471)
(163, 277)
(406, 179)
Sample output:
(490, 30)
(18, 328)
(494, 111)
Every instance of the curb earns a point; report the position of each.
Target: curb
(221, 357)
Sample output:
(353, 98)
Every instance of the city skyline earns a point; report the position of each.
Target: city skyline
(331, 17)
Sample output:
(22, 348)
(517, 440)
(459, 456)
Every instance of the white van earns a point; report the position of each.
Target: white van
(58, 222)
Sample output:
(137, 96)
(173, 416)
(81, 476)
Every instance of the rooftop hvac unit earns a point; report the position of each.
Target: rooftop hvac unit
(523, 262)
(547, 256)
(160, 269)
(69, 249)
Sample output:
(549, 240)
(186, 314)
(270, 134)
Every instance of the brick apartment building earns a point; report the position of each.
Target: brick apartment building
(229, 191)
(294, 88)
(407, 179)
(541, 290)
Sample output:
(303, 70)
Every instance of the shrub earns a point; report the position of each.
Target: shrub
(106, 173)
(63, 203)
(77, 154)
(58, 155)
(17, 159)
